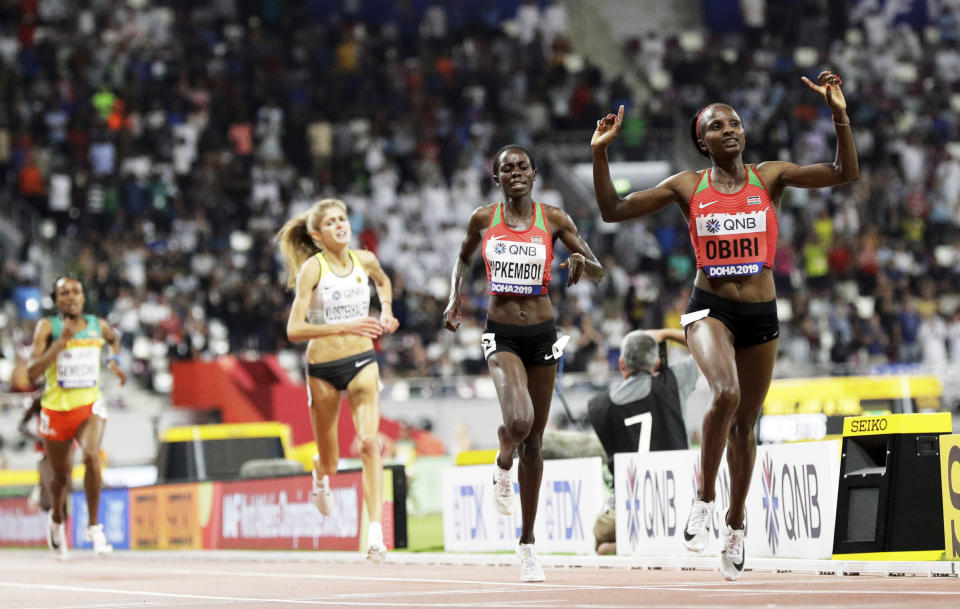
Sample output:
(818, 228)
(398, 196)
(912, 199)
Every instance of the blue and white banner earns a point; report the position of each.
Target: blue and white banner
(113, 514)
(793, 499)
(571, 497)
(791, 505)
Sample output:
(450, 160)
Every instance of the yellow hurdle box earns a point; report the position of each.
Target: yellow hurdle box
(476, 457)
(934, 422)
(890, 503)
(950, 483)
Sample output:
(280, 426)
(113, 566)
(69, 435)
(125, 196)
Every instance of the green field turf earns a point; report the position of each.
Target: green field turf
(425, 533)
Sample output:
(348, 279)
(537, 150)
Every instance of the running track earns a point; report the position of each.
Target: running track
(209, 579)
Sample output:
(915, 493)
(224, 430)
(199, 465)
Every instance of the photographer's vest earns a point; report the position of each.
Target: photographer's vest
(618, 425)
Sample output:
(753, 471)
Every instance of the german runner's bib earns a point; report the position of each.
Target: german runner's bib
(339, 299)
(518, 262)
(78, 366)
(733, 234)
(733, 244)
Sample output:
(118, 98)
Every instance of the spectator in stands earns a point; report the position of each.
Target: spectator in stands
(67, 349)
(519, 340)
(644, 412)
(331, 310)
(731, 321)
(199, 189)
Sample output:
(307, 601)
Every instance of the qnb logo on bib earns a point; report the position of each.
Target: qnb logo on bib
(354, 293)
(733, 244)
(516, 268)
(732, 224)
(345, 303)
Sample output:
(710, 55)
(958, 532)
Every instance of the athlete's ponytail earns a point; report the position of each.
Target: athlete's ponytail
(295, 240)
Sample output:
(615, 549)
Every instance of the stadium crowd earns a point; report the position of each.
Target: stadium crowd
(153, 149)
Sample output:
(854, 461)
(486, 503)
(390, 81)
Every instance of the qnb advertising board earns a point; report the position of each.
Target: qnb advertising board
(571, 497)
(791, 506)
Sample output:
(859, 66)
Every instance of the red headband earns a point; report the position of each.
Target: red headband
(696, 126)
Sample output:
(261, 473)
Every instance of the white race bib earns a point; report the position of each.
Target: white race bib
(516, 268)
(78, 367)
(345, 302)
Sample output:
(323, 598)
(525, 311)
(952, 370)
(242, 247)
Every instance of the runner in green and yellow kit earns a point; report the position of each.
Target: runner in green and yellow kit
(67, 350)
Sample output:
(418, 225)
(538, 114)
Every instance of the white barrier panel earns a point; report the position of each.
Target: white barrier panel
(793, 497)
(571, 497)
(654, 493)
(791, 506)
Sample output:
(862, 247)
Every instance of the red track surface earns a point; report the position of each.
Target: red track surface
(33, 579)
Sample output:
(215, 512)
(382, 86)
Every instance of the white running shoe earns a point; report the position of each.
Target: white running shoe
(33, 501)
(57, 537)
(530, 569)
(100, 544)
(696, 533)
(377, 553)
(732, 555)
(322, 495)
(502, 489)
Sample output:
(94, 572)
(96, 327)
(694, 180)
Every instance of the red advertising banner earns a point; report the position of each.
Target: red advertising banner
(279, 514)
(19, 526)
(271, 513)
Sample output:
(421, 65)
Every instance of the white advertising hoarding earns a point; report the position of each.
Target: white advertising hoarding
(791, 504)
(571, 497)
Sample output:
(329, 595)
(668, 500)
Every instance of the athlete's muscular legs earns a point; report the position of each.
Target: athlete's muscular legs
(510, 378)
(363, 392)
(324, 413)
(711, 345)
(755, 368)
(530, 471)
(89, 435)
(59, 454)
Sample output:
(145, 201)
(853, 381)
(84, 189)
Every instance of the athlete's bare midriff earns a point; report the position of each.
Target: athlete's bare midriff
(747, 288)
(519, 311)
(332, 348)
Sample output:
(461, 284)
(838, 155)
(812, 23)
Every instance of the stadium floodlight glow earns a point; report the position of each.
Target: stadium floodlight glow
(633, 175)
(622, 185)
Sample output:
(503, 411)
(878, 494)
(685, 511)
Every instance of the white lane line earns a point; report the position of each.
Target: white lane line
(493, 605)
(154, 604)
(411, 593)
(321, 576)
(376, 603)
(206, 597)
(381, 602)
(678, 585)
(759, 588)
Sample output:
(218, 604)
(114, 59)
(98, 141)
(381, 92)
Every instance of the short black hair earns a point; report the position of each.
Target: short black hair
(693, 130)
(496, 157)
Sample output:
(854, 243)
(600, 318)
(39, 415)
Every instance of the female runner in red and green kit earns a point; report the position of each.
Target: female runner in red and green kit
(519, 341)
(731, 321)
